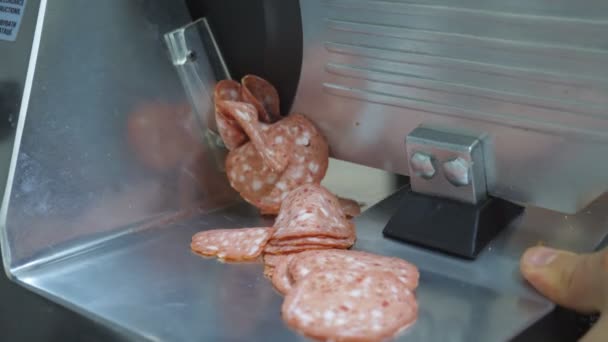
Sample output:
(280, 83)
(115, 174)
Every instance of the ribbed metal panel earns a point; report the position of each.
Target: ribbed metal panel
(530, 70)
(531, 74)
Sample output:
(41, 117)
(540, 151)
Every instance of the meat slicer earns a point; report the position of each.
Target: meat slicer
(471, 129)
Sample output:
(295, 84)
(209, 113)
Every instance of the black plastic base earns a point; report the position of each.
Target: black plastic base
(450, 226)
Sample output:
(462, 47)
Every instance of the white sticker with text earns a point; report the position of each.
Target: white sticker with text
(11, 12)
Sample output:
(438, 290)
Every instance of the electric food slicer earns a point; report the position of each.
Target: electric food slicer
(495, 111)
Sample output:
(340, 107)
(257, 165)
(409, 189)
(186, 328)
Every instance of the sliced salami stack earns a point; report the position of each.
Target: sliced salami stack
(331, 292)
(310, 218)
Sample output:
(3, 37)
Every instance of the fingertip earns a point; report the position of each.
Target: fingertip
(536, 266)
(564, 277)
(538, 256)
(542, 279)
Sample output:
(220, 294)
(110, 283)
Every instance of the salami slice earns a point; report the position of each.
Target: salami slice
(229, 129)
(313, 261)
(232, 244)
(272, 260)
(349, 305)
(309, 161)
(311, 211)
(280, 277)
(248, 174)
(351, 208)
(274, 154)
(265, 188)
(276, 250)
(263, 96)
(268, 271)
(313, 240)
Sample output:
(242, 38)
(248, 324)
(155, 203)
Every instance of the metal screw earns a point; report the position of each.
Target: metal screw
(422, 164)
(457, 171)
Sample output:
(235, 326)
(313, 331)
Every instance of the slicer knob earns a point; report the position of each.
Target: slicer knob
(457, 171)
(423, 165)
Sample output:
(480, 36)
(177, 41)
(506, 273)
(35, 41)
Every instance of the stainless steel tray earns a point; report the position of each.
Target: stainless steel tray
(149, 285)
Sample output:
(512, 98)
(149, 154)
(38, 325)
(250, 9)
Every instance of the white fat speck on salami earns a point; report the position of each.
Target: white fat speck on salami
(232, 244)
(349, 305)
(335, 259)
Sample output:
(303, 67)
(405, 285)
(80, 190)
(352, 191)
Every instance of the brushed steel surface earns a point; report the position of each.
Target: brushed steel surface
(13, 68)
(76, 178)
(529, 73)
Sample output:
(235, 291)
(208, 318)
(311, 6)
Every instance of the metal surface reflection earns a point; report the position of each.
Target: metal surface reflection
(197, 298)
(109, 140)
(528, 73)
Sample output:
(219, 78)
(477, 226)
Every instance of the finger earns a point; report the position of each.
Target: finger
(568, 279)
(599, 331)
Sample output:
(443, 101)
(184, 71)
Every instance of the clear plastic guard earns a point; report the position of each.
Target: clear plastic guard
(199, 63)
(153, 161)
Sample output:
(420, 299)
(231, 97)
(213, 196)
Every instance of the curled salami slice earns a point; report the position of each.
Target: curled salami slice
(309, 161)
(227, 90)
(232, 244)
(265, 188)
(229, 129)
(349, 305)
(263, 96)
(311, 211)
(351, 208)
(334, 259)
(280, 277)
(274, 154)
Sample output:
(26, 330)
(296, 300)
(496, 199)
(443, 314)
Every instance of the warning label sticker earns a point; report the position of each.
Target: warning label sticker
(11, 12)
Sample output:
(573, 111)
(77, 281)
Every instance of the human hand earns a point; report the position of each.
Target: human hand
(575, 281)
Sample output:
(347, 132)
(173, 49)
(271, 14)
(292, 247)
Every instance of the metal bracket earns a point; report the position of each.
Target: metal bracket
(448, 207)
(447, 163)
